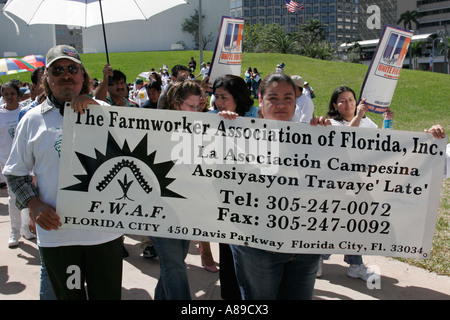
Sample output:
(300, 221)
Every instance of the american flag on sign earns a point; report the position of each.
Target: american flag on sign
(294, 6)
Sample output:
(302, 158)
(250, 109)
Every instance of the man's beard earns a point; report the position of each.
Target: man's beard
(67, 93)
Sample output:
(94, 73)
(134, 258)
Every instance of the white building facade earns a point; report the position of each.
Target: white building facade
(160, 32)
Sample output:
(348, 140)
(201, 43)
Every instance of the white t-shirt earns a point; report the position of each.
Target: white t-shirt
(141, 96)
(304, 110)
(307, 91)
(365, 123)
(8, 124)
(204, 72)
(36, 148)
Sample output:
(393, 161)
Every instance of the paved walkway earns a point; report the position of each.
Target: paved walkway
(20, 267)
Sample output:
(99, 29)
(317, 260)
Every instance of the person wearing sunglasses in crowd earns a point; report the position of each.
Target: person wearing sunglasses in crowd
(36, 148)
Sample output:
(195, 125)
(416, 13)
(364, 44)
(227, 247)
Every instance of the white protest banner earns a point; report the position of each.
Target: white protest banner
(227, 58)
(279, 186)
(384, 70)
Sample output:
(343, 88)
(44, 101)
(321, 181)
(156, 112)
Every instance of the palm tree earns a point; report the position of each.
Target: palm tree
(416, 49)
(321, 50)
(282, 42)
(408, 17)
(312, 32)
(444, 48)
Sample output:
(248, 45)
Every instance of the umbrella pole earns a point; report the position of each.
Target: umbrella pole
(104, 33)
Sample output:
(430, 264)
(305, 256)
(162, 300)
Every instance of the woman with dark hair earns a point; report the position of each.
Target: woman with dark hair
(8, 123)
(232, 99)
(343, 111)
(232, 95)
(266, 275)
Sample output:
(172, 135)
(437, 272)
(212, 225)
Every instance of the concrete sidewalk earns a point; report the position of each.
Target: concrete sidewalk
(20, 269)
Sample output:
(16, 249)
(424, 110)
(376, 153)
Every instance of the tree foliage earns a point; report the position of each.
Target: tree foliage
(354, 53)
(191, 26)
(312, 32)
(408, 18)
(308, 39)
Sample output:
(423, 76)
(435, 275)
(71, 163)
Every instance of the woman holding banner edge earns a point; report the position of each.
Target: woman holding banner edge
(261, 274)
(232, 99)
(343, 111)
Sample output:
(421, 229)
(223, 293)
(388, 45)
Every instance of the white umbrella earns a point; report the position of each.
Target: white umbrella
(87, 13)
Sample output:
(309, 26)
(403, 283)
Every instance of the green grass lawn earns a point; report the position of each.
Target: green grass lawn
(421, 99)
(440, 253)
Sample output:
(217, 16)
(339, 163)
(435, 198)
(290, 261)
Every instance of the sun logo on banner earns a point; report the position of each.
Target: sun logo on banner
(108, 169)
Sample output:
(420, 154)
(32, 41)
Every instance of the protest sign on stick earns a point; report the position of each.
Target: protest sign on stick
(274, 185)
(384, 70)
(227, 58)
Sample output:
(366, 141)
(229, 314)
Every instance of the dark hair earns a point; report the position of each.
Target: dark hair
(237, 87)
(177, 68)
(35, 74)
(275, 77)
(16, 82)
(118, 75)
(12, 84)
(333, 113)
(153, 85)
(157, 76)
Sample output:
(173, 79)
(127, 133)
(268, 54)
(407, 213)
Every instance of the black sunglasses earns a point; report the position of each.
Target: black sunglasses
(59, 70)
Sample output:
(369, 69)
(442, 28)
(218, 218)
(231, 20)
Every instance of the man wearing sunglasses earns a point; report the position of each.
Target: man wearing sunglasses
(36, 148)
